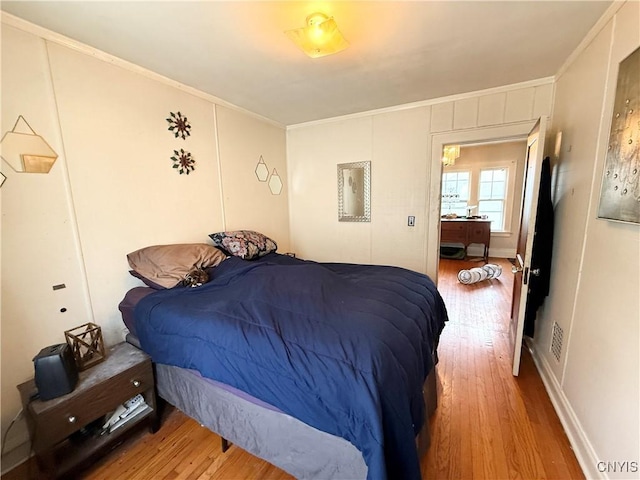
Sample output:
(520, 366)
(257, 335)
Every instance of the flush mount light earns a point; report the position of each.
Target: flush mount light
(320, 37)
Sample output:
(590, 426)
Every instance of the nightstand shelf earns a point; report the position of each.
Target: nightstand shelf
(61, 429)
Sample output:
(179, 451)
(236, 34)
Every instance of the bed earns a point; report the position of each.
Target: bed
(325, 370)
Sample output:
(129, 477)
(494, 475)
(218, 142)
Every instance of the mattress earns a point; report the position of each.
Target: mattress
(266, 432)
(292, 333)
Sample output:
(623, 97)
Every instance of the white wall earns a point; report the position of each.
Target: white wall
(595, 275)
(113, 190)
(39, 236)
(125, 192)
(248, 203)
(398, 142)
(313, 196)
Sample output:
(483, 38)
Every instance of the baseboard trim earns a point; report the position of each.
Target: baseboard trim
(475, 251)
(502, 252)
(583, 449)
(15, 457)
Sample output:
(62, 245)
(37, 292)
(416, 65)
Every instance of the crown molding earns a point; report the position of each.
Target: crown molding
(54, 37)
(434, 101)
(591, 35)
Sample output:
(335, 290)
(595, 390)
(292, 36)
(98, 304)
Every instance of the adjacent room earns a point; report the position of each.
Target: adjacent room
(320, 240)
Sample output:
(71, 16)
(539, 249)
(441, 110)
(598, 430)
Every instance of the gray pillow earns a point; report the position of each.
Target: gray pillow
(166, 265)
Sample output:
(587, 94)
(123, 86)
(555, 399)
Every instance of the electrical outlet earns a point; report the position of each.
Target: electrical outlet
(411, 221)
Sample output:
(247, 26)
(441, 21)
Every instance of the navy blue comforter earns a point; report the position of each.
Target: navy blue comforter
(344, 348)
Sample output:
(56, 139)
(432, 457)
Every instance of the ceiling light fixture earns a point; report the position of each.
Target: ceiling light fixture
(449, 155)
(320, 37)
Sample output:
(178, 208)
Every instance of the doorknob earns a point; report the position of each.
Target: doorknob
(515, 269)
(535, 272)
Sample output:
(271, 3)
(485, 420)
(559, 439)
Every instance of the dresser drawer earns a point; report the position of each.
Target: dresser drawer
(453, 226)
(455, 232)
(479, 233)
(58, 423)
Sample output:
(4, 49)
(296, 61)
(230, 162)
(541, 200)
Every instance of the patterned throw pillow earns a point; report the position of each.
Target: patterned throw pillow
(245, 244)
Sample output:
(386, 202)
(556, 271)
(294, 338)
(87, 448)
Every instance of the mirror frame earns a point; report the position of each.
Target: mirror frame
(342, 216)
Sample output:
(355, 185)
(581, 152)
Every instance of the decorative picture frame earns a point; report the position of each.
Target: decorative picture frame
(354, 192)
(620, 189)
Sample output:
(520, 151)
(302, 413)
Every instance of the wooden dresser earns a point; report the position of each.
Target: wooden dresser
(466, 231)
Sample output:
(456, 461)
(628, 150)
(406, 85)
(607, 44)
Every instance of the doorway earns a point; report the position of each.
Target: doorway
(480, 213)
(479, 136)
(488, 180)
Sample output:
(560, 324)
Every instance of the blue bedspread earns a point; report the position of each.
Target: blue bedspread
(344, 348)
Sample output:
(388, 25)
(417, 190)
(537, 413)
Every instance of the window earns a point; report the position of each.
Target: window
(491, 196)
(455, 193)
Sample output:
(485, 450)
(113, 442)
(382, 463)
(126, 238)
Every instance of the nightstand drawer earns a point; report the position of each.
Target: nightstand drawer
(81, 409)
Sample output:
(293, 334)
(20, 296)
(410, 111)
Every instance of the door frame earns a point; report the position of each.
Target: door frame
(515, 131)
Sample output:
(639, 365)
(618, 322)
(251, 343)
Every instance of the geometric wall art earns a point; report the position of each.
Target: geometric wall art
(620, 191)
(273, 181)
(262, 171)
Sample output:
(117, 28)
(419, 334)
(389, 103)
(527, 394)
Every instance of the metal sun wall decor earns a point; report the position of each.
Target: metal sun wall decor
(183, 161)
(179, 125)
(620, 192)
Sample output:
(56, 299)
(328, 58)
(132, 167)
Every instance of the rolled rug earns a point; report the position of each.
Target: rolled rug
(493, 270)
(472, 275)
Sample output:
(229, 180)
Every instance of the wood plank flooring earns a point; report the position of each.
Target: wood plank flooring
(488, 425)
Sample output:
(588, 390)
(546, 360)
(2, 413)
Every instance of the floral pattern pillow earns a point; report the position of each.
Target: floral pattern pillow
(245, 244)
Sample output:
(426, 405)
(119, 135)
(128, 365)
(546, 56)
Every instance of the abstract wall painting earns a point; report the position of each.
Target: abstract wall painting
(620, 192)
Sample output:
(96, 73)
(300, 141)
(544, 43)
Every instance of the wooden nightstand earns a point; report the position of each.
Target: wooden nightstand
(61, 429)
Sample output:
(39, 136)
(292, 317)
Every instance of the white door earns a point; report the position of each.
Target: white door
(535, 150)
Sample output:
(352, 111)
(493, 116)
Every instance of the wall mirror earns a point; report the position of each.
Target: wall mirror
(354, 192)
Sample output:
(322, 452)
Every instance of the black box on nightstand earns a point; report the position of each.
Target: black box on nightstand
(55, 371)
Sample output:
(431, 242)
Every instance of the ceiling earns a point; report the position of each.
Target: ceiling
(400, 52)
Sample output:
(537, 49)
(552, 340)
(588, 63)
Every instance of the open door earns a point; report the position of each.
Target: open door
(522, 268)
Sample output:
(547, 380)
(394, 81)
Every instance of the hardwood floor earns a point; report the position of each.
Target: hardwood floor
(488, 425)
